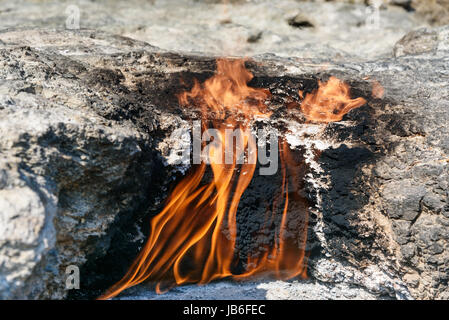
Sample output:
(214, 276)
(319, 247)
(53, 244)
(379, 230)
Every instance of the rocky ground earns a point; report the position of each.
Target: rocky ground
(245, 28)
(86, 115)
(261, 290)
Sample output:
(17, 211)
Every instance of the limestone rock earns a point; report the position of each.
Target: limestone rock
(84, 122)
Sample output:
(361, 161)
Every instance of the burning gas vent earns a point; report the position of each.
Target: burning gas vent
(194, 238)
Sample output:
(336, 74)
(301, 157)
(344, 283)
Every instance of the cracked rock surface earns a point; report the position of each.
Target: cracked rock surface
(85, 123)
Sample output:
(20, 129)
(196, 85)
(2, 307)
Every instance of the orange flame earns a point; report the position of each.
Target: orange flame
(330, 102)
(227, 91)
(193, 239)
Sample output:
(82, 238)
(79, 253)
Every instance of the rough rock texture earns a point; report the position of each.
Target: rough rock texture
(405, 178)
(85, 123)
(331, 30)
(65, 178)
(249, 290)
(69, 178)
(434, 11)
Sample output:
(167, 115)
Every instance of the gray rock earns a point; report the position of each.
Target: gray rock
(69, 178)
(403, 199)
(416, 42)
(249, 290)
(65, 180)
(222, 28)
(85, 123)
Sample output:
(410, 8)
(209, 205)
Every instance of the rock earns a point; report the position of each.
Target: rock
(424, 40)
(416, 42)
(299, 21)
(70, 178)
(255, 37)
(85, 123)
(65, 181)
(406, 4)
(403, 199)
(249, 290)
(436, 12)
(222, 28)
(26, 235)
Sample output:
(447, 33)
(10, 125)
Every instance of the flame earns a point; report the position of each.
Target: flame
(378, 91)
(227, 92)
(330, 102)
(193, 239)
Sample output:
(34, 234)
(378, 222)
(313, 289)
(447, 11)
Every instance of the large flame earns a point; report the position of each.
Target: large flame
(193, 239)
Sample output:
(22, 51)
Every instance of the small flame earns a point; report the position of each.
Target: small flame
(330, 102)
